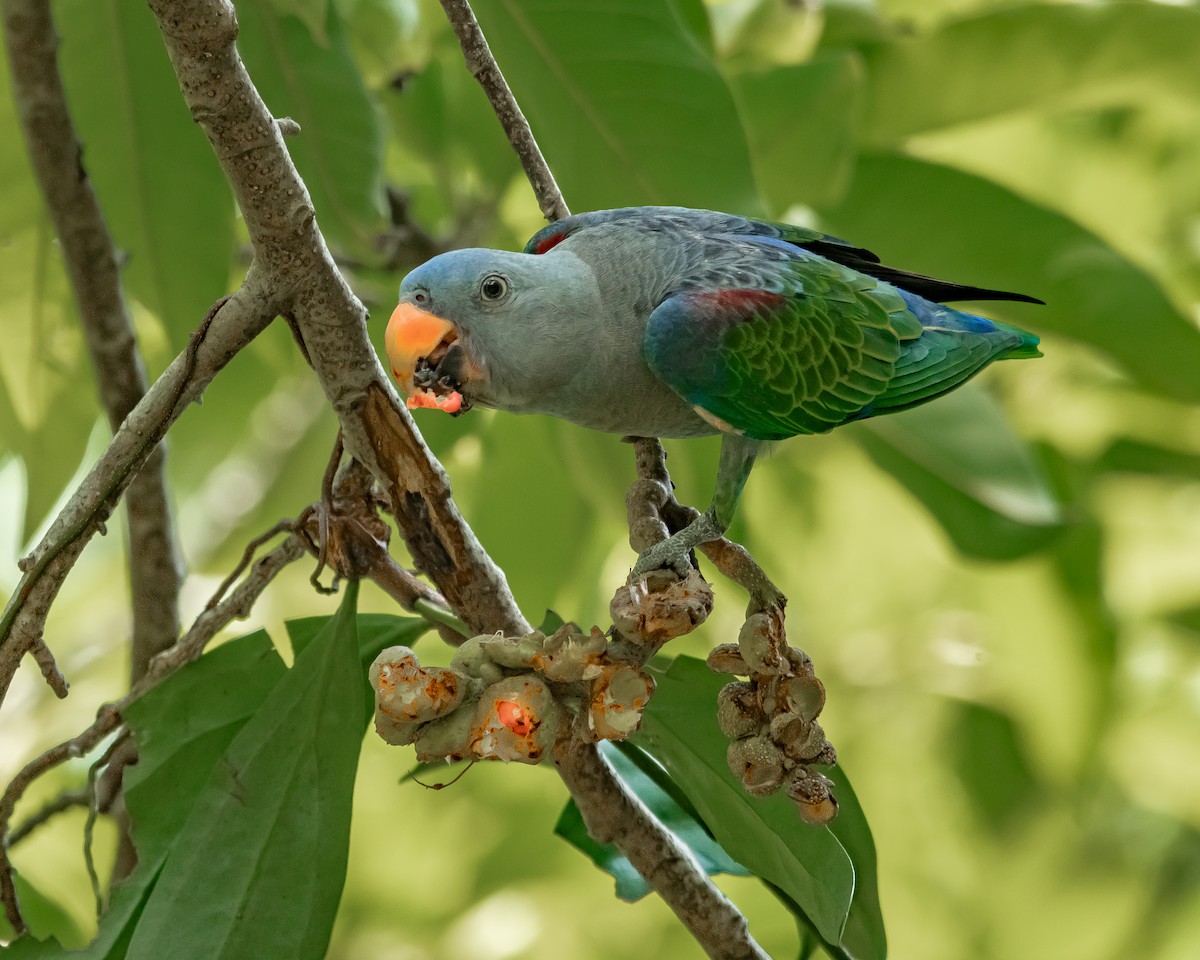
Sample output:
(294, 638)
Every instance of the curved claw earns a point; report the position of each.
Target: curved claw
(672, 553)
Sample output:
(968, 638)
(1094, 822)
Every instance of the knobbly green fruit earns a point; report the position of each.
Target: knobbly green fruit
(409, 693)
(516, 720)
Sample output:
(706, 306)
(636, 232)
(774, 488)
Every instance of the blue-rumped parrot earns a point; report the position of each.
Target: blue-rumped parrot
(671, 322)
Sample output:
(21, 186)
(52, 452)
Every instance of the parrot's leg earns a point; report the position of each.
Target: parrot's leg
(737, 460)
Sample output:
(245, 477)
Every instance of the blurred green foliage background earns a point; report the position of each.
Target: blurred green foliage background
(1001, 591)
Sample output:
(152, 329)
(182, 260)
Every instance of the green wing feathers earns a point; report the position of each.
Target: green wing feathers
(833, 347)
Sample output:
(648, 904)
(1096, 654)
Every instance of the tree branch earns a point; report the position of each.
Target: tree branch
(109, 717)
(60, 804)
(54, 150)
(484, 68)
(231, 324)
(289, 247)
(612, 815)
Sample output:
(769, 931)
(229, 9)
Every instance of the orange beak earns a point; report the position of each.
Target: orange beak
(413, 333)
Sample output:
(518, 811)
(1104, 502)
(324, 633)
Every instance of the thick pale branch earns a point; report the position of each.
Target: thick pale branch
(91, 261)
(484, 68)
(329, 319)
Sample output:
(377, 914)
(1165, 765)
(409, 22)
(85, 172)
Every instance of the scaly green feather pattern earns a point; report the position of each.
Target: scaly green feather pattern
(775, 364)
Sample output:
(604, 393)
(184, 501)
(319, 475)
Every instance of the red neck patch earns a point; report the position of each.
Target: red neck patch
(550, 242)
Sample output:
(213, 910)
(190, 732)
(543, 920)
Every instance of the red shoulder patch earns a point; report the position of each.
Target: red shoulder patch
(550, 242)
(742, 301)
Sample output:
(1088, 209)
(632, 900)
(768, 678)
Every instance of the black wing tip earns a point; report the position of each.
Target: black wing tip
(982, 293)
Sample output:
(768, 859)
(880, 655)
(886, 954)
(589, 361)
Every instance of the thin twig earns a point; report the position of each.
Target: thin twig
(324, 512)
(109, 717)
(231, 324)
(89, 825)
(283, 526)
(484, 68)
(49, 667)
(65, 801)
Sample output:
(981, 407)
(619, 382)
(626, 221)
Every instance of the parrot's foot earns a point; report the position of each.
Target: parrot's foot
(672, 553)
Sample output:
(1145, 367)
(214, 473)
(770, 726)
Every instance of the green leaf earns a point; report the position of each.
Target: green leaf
(312, 13)
(801, 122)
(863, 936)
(991, 763)
(679, 730)
(676, 817)
(183, 727)
(1187, 618)
(1047, 55)
(339, 150)
(163, 195)
(376, 632)
(444, 118)
(930, 218)
(1126, 455)
(120, 918)
(626, 105)
(961, 459)
(277, 808)
(44, 917)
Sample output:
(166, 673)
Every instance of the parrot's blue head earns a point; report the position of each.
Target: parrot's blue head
(479, 326)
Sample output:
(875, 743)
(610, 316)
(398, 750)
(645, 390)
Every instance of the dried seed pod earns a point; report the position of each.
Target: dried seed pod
(758, 763)
(662, 609)
(407, 692)
(516, 719)
(763, 644)
(789, 728)
(619, 695)
(799, 661)
(766, 689)
(569, 654)
(727, 658)
(803, 694)
(813, 795)
(737, 710)
(807, 750)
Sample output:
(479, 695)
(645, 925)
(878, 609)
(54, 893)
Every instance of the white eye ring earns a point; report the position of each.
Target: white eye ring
(493, 288)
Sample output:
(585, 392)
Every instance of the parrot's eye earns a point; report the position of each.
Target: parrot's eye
(493, 288)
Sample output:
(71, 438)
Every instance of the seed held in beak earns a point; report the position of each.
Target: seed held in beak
(413, 334)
